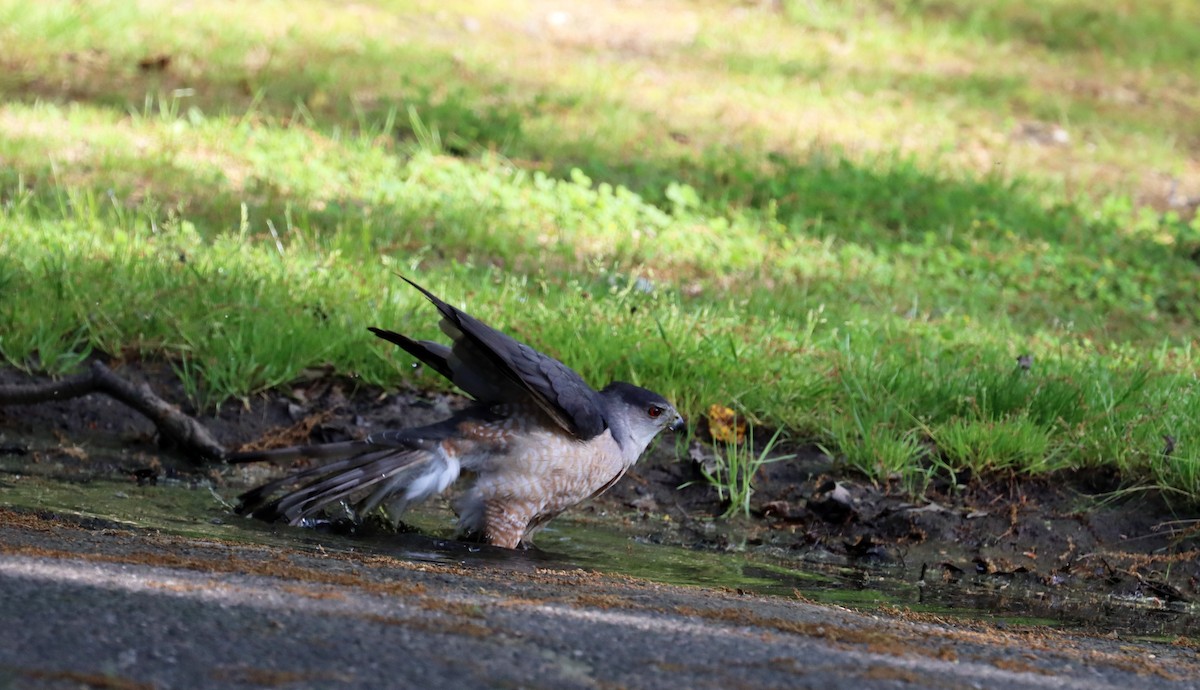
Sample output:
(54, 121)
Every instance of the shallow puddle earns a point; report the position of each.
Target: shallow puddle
(195, 509)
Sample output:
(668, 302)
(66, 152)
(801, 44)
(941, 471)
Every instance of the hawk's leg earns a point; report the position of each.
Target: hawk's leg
(505, 521)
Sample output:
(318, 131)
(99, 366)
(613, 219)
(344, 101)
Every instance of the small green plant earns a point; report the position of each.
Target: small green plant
(193, 387)
(734, 467)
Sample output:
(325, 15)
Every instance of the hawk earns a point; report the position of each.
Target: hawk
(537, 440)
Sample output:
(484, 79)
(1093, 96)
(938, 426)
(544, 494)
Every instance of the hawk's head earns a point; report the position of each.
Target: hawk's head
(636, 415)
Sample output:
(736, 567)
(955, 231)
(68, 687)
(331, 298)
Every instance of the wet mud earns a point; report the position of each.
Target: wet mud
(1079, 550)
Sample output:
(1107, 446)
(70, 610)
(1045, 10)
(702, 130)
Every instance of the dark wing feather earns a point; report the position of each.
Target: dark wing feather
(435, 355)
(480, 353)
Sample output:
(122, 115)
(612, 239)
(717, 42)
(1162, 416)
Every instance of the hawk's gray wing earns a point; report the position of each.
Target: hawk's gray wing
(492, 367)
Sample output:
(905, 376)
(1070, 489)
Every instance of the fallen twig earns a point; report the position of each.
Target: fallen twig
(187, 433)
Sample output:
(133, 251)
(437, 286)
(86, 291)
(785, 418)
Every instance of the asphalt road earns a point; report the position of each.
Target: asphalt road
(95, 606)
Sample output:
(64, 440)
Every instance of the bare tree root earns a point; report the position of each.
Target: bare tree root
(186, 433)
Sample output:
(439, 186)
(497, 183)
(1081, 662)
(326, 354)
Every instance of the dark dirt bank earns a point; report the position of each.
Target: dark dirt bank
(1066, 532)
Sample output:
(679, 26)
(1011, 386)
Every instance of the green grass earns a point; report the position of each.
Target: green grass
(841, 220)
(734, 466)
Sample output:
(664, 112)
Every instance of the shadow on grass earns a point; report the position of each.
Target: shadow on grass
(484, 113)
(1149, 35)
(1162, 34)
(887, 205)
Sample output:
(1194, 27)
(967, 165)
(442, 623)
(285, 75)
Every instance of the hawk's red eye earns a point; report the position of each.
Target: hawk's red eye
(654, 411)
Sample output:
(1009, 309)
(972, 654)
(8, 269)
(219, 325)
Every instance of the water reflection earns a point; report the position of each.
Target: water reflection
(197, 510)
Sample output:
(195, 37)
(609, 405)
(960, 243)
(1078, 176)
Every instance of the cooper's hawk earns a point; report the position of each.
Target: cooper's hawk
(537, 439)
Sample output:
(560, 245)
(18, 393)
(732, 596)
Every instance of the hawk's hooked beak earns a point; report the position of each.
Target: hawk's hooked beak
(678, 424)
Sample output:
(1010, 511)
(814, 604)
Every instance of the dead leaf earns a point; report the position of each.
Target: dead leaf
(293, 435)
(724, 425)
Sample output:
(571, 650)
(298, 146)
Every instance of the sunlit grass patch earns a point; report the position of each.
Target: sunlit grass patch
(905, 239)
(948, 84)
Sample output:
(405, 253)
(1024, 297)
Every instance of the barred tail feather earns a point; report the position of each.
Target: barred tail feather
(397, 476)
(403, 488)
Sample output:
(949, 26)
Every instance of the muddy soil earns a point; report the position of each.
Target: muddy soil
(969, 539)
